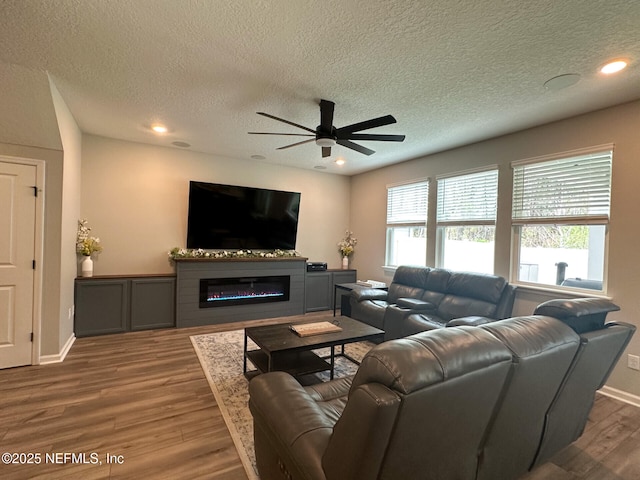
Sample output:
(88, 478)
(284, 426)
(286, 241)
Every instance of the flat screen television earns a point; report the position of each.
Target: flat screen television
(235, 217)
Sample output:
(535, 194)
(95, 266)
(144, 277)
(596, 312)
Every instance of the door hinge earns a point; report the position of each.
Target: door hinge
(33, 264)
(32, 336)
(35, 190)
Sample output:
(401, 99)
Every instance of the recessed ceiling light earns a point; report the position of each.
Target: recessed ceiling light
(156, 127)
(258, 157)
(614, 66)
(181, 144)
(340, 161)
(320, 167)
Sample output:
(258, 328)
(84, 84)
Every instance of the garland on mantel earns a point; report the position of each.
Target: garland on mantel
(200, 253)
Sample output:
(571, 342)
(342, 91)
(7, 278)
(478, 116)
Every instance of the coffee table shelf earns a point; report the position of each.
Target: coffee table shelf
(296, 363)
(281, 349)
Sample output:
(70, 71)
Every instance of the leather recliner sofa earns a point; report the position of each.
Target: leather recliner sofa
(485, 402)
(424, 298)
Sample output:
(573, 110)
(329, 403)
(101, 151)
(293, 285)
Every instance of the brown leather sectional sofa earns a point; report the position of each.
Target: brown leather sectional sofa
(488, 402)
(424, 298)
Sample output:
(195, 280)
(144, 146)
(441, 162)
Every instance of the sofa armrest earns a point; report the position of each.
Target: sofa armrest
(290, 422)
(416, 305)
(369, 294)
(472, 321)
(581, 314)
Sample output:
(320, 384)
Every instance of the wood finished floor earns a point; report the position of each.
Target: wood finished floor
(144, 396)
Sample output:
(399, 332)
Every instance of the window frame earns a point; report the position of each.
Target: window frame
(479, 220)
(569, 220)
(416, 222)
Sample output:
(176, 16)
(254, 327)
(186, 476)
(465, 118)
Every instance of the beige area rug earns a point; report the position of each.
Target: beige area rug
(220, 355)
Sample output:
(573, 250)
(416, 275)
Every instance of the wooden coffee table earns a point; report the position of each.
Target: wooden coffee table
(281, 349)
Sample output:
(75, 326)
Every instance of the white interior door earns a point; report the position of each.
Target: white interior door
(17, 254)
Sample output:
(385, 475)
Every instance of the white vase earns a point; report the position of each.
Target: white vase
(87, 267)
(345, 262)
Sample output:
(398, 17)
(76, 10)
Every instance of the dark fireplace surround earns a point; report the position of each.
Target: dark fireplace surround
(189, 273)
(229, 291)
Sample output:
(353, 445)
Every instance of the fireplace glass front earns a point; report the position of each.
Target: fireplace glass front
(225, 292)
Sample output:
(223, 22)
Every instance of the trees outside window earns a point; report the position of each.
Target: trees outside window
(560, 215)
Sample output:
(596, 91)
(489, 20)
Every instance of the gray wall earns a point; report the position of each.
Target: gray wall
(618, 125)
(135, 198)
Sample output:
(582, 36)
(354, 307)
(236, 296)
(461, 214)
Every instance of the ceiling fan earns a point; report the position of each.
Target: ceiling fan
(326, 135)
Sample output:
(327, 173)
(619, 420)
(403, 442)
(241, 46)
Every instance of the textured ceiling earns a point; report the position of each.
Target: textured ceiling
(451, 72)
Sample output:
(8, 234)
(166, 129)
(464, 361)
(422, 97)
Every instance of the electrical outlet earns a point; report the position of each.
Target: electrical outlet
(633, 362)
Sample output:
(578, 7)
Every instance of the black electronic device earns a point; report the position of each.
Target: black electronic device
(236, 217)
(316, 267)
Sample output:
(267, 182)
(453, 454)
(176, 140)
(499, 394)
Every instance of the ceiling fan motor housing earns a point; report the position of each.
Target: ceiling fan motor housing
(327, 136)
(324, 138)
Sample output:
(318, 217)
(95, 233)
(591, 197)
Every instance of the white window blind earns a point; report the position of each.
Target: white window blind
(471, 198)
(574, 188)
(407, 204)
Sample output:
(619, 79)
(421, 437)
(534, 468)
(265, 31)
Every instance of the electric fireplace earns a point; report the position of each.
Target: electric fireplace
(226, 292)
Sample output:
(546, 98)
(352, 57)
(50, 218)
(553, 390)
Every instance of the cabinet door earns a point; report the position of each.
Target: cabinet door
(101, 307)
(152, 303)
(318, 291)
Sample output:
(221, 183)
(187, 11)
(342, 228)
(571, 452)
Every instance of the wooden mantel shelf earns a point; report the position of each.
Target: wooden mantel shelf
(241, 259)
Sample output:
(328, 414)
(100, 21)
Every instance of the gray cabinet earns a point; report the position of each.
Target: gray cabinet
(121, 304)
(320, 286)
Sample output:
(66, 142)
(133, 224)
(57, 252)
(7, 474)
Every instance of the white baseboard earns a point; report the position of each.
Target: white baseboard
(59, 357)
(620, 395)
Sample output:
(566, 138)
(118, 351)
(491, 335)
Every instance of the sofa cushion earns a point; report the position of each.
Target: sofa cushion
(409, 364)
(475, 285)
(398, 290)
(420, 322)
(408, 282)
(411, 276)
(455, 306)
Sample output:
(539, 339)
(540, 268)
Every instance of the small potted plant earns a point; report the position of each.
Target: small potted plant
(347, 247)
(86, 246)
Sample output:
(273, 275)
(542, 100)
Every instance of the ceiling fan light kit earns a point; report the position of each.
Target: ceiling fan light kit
(326, 142)
(327, 136)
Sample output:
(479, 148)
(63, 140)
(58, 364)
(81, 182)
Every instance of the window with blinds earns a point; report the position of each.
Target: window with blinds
(471, 198)
(466, 218)
(560, 213)
(576, 188)
(407, 224)
(407, 204)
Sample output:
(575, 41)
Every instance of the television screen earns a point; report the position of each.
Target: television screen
(234, 217)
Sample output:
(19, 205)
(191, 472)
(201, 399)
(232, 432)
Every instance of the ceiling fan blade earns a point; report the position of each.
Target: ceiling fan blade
(343, 132)
(326, 115)
(326, 152)
(285, 121)
(291, 134)
(379, 138)
(355, 146)
(295, 144)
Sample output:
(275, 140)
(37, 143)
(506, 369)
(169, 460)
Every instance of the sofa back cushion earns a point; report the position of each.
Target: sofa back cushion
(408, 282)
(454, 306)
(436, 286)
(478, 286)
(543, 350)
(471, 294)
(458, 371)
